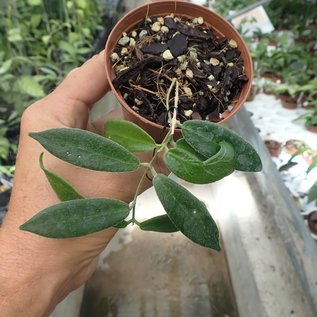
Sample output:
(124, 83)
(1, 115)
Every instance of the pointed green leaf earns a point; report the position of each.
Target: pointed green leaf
(87, 149)
(34, 2)
(312, 165)
(159, 224)
(187, 212)
(189, 167)
(202, 135)
(287, 166)
(75, 218)
(30, 86)
(63, 189)
(312, 194)
(129, 135)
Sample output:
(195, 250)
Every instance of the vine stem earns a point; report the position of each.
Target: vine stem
(168, 99)
(174, 121)
(169, 136)
(148, 166)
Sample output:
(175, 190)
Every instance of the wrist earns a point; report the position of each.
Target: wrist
(26, 288)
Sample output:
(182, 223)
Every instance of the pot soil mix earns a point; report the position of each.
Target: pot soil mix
(208, 68)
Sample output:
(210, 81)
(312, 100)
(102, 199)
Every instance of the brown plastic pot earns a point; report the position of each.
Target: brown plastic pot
(274, 147)
(288, 102)
(312, 221)
(179, 8)
(312, 128)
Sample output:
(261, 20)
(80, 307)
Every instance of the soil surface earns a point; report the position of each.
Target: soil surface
(208, 68)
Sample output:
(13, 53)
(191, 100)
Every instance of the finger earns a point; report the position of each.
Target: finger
(70, 103)
(85, 84)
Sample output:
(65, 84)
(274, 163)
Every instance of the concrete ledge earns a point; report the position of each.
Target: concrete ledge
(276, 206)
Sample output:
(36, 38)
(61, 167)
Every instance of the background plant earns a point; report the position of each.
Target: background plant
(40, 41)
(289, 52)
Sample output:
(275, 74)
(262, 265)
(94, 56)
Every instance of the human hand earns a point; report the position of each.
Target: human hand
(39, 271)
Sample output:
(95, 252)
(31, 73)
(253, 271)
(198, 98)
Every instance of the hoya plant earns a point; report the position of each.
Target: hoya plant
(206, 153)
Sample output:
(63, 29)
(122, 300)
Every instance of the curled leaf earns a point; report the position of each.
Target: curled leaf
(203, 135)
(187, 165)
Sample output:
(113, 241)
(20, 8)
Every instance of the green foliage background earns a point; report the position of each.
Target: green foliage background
(40, 41)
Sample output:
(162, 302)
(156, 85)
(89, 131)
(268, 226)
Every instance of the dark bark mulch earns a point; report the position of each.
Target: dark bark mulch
(208, 68)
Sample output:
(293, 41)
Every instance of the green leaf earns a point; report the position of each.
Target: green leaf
(4, 147)
(187, 212)
(75, 218)
(46, 38)
(201, 142)
(67, 47)
(159, 224)
(287, 166)
(188, 166)
(312, 165)
(129, 135)
(189, 153)
(5, 66)
(35, 19)
(299, 151)
(87, 149)
(34, 2)
(14, 35)
(63, 189)
(81, 3)
(312, 194)
(202, 135)
(30, 86)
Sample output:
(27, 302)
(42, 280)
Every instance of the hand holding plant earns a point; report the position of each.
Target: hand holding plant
(48, 269)
(206, 153)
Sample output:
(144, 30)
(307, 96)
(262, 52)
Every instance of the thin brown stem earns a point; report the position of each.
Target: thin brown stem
(138, 87)
(168, 100)
(176, 99)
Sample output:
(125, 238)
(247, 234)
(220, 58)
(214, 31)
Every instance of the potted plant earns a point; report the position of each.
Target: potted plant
(166, 40)
(309, 92)
(197, 151)
(206, 153)
(312, 222)
(287, 93)
(310, 119)
(274, 147)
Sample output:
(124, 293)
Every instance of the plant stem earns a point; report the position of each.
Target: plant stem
(168, 99)
(148, 167)
(164, 145)
(173, 124)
